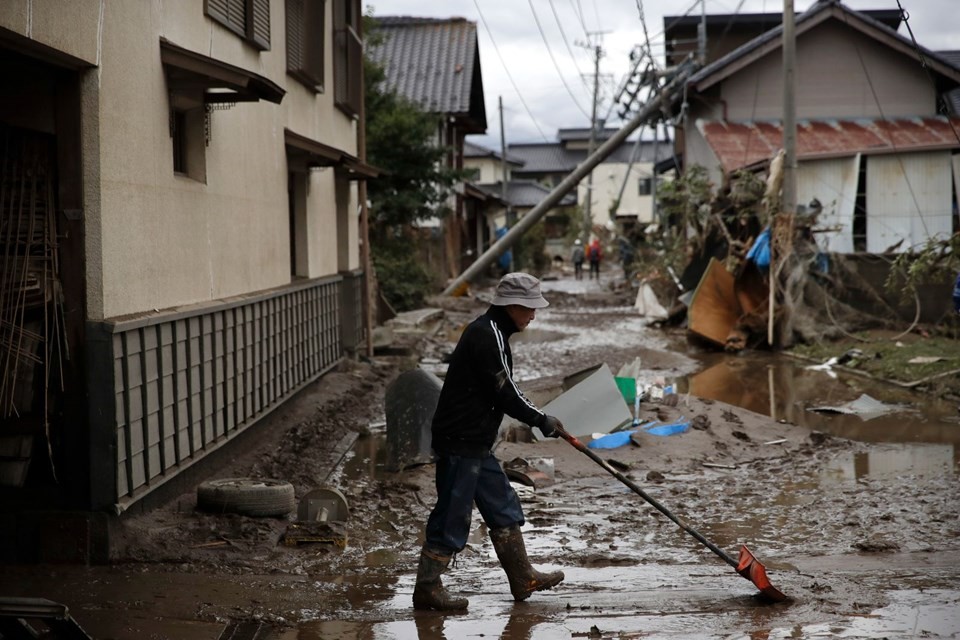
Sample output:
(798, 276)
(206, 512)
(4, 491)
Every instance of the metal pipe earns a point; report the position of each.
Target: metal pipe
(568, 183)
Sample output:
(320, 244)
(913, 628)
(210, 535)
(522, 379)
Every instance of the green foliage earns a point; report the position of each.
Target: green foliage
(575, 218)
(937, 261)
(890, 359)
(402, 278)
(684, 204)
(413, 186)
(528, 251)
(746, 193)
(400, 142)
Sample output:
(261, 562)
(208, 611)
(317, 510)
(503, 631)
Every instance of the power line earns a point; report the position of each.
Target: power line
(643, 23)
(566, 42)
(883, 116)
(554, 60)
(923, 63)
(507, 70)
(578, 11)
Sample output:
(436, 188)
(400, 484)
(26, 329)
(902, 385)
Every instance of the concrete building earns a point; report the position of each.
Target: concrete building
(625, 177)
(191, 173)
(508, 203)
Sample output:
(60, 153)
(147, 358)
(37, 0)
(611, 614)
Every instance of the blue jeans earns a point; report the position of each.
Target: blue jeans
(461, 482)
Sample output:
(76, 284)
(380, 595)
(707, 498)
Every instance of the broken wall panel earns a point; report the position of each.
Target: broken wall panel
(908, 199)
(834, 183)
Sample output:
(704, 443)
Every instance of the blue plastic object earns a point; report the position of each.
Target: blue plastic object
(611, 440)
(760, 251)
(668, 429)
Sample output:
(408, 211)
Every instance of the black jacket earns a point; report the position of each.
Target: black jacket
(479, 389)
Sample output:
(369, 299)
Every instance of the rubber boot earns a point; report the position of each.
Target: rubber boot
(512, 553)
(429, 592)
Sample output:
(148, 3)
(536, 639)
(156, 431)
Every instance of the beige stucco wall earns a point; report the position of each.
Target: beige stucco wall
(491, 169)
(71, 27)
(607, 181)
(838, 72)
(157, 240)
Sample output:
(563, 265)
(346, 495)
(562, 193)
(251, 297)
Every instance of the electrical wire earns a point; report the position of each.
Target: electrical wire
(578, 11)
(507, 70)
(897, 152)
(923, 63)
(556, 66)
(566, 42)
(643, 24)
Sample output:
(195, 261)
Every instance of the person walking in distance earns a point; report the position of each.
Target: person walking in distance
(576, 257)
(477, 391)
(594, 256)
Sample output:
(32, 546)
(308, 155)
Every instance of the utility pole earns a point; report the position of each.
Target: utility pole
(653, 174)
(702, 34)
(789, 110)
(668, 94)
(588, 213)
(789, 199)
(503, 179)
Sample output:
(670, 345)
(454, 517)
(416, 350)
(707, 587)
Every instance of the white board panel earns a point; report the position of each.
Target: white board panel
(909, 199)
(834, 183)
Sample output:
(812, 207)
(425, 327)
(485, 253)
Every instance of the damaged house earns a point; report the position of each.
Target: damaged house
(877, 144)
(877, 135)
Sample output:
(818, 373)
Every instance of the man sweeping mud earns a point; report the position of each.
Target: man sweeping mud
(477, 391)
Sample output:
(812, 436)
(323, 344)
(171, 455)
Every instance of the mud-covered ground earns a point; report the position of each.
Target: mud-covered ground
(858, 555)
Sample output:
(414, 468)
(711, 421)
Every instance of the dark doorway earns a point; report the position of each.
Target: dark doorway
(42, 312)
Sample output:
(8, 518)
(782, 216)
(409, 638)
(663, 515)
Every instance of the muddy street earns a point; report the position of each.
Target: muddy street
(856, 520)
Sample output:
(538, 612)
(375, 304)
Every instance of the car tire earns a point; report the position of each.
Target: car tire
(246, 496)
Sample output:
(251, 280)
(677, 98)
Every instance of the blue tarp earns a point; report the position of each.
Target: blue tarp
(620, 438)
(760, 251)
(506, 258)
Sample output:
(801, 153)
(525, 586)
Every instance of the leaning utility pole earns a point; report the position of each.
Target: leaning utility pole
(588, 214)
(702, 33)
(503, 168)
(670, 92)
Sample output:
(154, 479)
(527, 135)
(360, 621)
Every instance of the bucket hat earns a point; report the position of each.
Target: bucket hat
(519, 288)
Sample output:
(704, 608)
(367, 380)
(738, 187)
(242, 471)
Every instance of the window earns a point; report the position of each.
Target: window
(645, 186)
(197, 85)
(188, 127)
(249, 19)
(178, 133)
(305, 40)
(472, 174)
(347, 56)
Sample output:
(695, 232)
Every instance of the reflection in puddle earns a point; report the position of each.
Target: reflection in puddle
(923, 460)
(783, 389)
(930, 613)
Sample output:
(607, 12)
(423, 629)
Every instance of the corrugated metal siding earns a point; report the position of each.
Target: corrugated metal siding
(187, 382)
(741, 144)
(908, 198)
(834, 183)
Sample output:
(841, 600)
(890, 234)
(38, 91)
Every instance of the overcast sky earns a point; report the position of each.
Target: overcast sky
(534, 53)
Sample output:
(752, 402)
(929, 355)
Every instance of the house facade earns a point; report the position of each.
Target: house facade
(623, 184)
(877, 144)
(435, 64)
(190, 171)
(513, 198)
